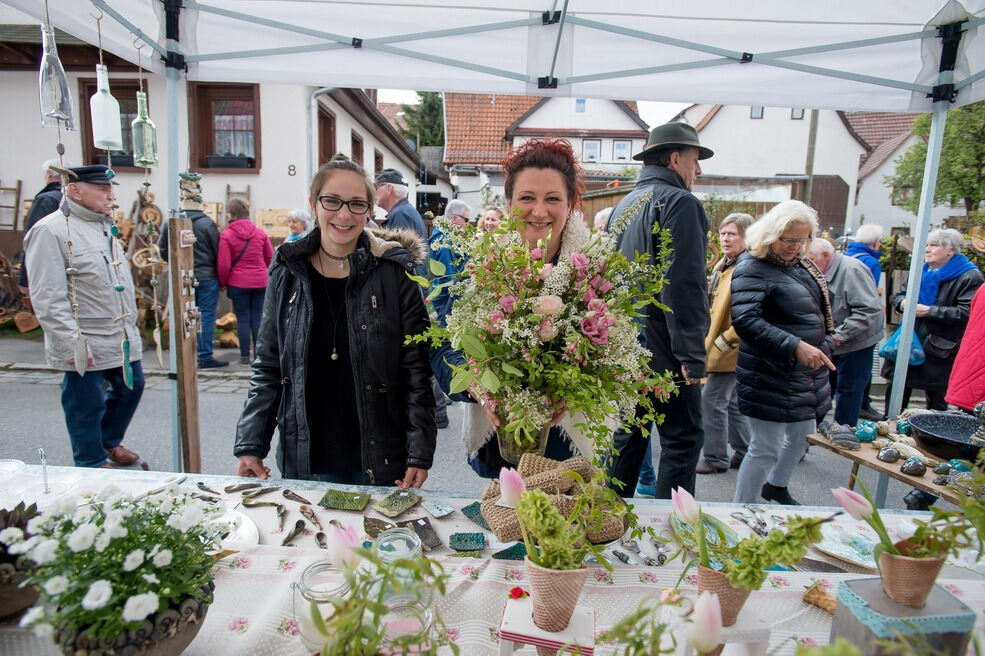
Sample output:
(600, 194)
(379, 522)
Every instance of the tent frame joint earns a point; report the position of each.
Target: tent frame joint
(357, 42)
(944, 92)
(175, 60)
(550, 17)
(746, 58)
(547, 82)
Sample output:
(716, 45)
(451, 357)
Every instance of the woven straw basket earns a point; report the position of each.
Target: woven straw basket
(554, 594)
(730, 598)
(908, 580)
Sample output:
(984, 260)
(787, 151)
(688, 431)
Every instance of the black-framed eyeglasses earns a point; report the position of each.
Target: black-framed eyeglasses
(795, 240)
(334, 204)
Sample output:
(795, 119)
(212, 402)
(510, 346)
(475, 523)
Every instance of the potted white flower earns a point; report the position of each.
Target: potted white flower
(118, 573)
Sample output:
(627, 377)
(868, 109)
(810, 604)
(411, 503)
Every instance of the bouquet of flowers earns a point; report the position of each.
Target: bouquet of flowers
(106, 563)
(540, 338)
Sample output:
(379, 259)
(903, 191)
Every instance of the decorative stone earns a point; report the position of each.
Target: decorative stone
(883, 427)
(119, 287)
(60, 148)
(154, 282)
(959, 464)
(866, 431)
(114, 230)
(943, 468)
(913, 467)
(71, 271)
(903, 426)
(889, 454)
(110, 173)
(942, 480)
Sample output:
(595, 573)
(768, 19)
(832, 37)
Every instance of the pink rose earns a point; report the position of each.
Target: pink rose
(580, 263)
(495, 319)
(588, 296)
(507, 302)
(547, 330)
(590, 326)
(537, 253)
(545, 271)
(598, 306)
(548, 305)
(605, 287)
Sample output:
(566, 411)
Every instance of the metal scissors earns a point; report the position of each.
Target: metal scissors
(752, 522)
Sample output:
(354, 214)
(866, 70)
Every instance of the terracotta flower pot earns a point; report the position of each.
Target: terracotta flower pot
(907, 580)
(730, 598)
(554, 593)
(165, 633)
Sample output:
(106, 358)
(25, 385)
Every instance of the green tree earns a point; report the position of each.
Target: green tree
(961, 175)
(425, 120)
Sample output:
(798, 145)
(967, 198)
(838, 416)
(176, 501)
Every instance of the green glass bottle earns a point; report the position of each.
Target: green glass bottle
(144, 135)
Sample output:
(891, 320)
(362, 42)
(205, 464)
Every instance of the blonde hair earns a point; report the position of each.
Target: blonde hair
(767, 230)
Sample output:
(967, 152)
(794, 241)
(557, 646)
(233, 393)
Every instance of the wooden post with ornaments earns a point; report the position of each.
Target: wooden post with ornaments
(185, 322)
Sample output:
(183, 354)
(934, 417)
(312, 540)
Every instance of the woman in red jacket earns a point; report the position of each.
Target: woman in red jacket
(245, 252)
(966, 386)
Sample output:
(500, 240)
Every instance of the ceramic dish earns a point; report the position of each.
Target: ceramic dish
(244, 531)
(852, 548)
(685, 534)
(9, 467)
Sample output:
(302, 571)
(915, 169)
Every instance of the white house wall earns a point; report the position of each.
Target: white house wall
(283, 121)
(777, 144)
(875, 199)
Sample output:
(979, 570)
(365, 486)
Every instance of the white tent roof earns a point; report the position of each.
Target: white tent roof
(844, 54)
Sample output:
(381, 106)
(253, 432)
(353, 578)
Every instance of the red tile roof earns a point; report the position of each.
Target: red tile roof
(883, 151)
(475, 125)
(390, 111)
(876, 127)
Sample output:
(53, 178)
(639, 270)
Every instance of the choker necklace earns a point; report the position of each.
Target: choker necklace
(340, 260)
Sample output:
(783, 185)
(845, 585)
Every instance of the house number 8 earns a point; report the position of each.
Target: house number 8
(291, 170)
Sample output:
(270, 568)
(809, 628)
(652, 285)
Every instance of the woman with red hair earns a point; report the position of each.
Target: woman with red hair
(543, 189)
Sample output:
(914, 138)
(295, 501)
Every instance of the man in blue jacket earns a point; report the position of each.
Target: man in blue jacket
(391, 195)
(676, 338)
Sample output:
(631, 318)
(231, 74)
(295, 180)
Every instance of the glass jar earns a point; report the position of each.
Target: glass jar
(399, 543)
(319, 583)
(406, 615)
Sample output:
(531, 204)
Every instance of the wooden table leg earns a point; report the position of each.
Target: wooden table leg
(851, 479)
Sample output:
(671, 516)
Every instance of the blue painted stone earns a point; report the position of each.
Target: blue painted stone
(118, 287)
(110, 173)
(113, 230)
(903, 426)
(959, 464)
(866, 431)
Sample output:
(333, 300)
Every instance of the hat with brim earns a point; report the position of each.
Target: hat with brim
(392, 176)
(95, 174)
(673, 135)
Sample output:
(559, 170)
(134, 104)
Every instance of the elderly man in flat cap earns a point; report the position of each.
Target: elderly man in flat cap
(90, 329)
(676, 338)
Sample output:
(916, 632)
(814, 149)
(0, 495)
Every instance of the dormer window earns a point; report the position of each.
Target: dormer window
(581, 106)
(756, 111)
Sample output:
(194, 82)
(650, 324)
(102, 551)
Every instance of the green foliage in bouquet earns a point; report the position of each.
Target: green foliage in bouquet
(558, 542)
(642, 633)
(840, 647)
(540, 338)
(951, 531)
(358, 627)
(13, 524)
(106, 563)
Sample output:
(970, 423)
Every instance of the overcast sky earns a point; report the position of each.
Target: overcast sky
(654, 113)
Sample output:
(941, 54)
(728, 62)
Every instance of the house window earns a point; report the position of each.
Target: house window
(357, 149)
(756, 111)
(377, 161)
(900, 195)
(581, 106)
(326, 135)
(621, 150)
(797, 114)
(125, 91)
(591, 150)
(224, 126)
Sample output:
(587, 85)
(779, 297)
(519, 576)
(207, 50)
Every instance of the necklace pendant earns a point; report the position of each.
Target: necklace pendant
(335, 355)
(341, 264)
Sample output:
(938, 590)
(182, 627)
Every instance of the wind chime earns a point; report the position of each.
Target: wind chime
(56, 112)
(144, 134)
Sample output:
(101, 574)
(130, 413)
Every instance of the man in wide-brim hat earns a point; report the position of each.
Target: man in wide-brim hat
(676, 338)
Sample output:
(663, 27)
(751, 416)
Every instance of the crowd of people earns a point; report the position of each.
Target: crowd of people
(784, 328)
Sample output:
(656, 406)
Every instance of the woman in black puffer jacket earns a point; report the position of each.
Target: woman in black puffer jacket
(781, 312)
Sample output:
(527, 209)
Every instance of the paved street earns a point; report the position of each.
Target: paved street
(32, 418)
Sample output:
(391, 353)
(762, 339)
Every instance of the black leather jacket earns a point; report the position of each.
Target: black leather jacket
(940, 331)
(206, 247)
(394, 400)
(773, 309)
(676, 337)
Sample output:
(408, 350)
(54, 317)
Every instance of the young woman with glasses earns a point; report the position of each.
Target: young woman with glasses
(782, 315)
(351, 401)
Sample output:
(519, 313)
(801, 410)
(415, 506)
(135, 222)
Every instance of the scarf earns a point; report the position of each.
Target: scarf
(856, 248)
(716, 274)
(818, 277)
(931, 279)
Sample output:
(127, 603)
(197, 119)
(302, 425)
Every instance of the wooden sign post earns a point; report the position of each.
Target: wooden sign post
(184, 329)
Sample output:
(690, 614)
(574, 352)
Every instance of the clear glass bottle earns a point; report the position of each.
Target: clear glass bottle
(144, 135)
(107, 133)
(319, 583)
(399, 543)
(54, 90)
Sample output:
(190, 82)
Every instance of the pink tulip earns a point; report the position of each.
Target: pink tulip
(511, 486)
(341, 543)
(704, 631)
(685, 507)
(854, 503)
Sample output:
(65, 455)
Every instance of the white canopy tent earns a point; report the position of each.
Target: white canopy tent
(880, 55)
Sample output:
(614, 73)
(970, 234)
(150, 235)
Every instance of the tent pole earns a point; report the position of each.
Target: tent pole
(943, 96)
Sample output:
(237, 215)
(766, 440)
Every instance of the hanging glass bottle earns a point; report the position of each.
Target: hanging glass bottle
(144, 135)
(107, 133)
(55, 93)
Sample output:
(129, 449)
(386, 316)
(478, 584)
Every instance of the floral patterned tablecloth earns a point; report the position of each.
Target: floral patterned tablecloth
(252, 612)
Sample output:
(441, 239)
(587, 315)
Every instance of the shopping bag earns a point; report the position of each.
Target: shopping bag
(890, 349)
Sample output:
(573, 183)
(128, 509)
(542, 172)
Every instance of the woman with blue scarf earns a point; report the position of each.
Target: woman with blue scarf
(948, 283)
